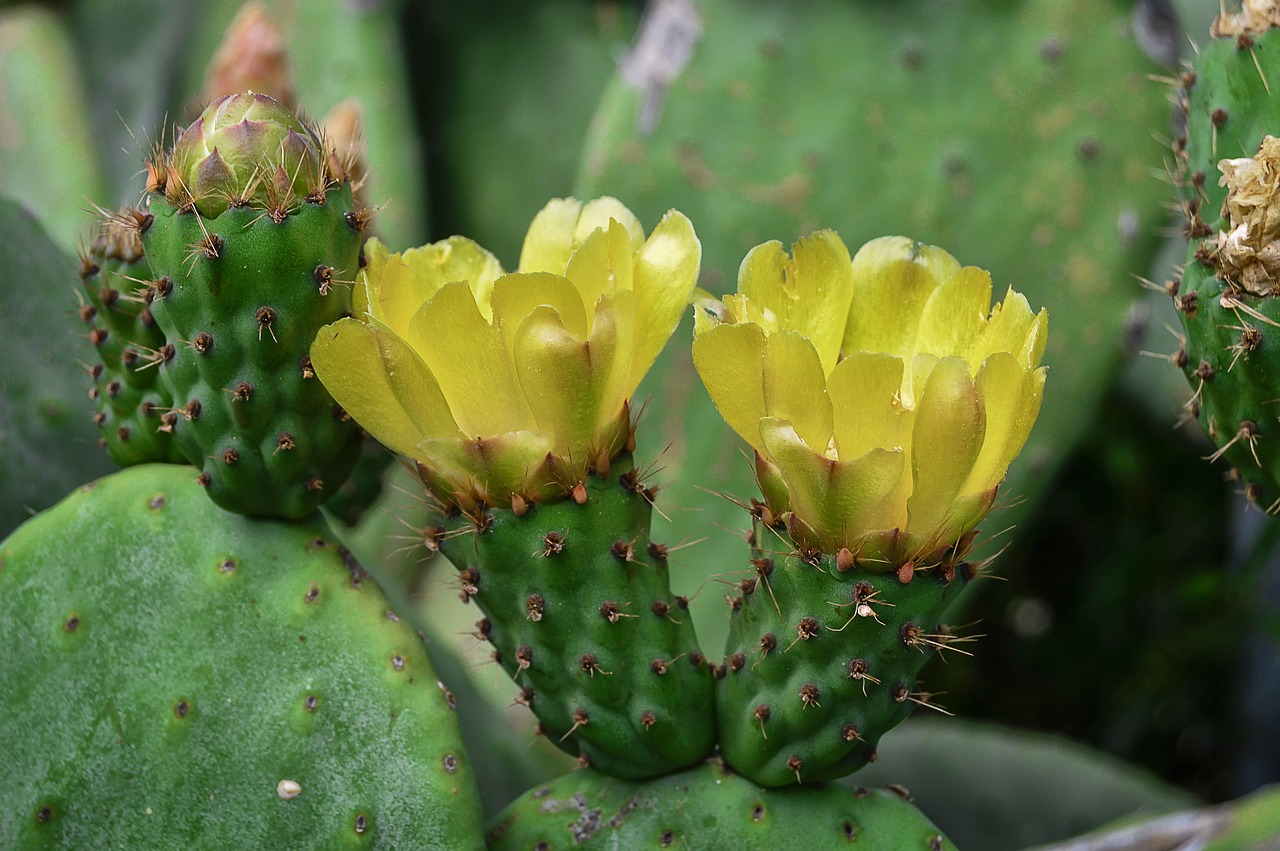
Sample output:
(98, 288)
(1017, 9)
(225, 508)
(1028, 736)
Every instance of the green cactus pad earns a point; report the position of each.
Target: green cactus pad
(822, 661)
(241, 297)
(1231, 355)
(709, 807)
(46, 438)
(131, 403)
(579, 610)
(177, 676)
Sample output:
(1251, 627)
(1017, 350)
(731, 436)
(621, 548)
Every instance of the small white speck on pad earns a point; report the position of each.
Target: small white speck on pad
(287, 789)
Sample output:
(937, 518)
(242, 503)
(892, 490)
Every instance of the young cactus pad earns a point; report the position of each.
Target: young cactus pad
(250, 231)
(709, 807)
(1229, 162)
(579, 610)
(177, 676)
(133, 410)
(823, 658)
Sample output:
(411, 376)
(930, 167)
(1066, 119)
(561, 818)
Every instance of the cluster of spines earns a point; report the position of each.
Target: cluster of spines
(271, 190)
(823, 653)
(580, 614)
(131, 407)
(1227, 352)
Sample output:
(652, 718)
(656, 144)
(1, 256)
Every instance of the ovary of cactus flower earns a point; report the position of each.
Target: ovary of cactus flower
(884, 397)
(510, 387)
(245, 150)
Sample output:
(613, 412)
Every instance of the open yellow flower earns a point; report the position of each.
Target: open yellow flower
(504, 385)
(884, 396)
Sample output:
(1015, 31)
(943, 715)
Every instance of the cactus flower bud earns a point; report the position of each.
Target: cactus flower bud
(884, 397)
(511, 385)
(246, 150)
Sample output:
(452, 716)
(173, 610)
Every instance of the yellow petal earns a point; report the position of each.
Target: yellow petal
(795, 388)
(809, 291)
(947, 437)
(468, 357)
(954, 315)
(730, 362)
(516, 295)
(399, 284)
(666, 275)
(615, 328)
(380, 381)
(837, 499)
(1013, 328)
(597, 213)
(739, 309)
(893, 277)
(921, 367)
(562, 377)
(375, 258)
(549, 240)
(868, 414)
(750, 375)
(1011, 397)
(602, 264)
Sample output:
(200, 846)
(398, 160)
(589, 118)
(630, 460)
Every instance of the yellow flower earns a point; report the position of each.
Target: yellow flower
(884, 396)
(503, 385)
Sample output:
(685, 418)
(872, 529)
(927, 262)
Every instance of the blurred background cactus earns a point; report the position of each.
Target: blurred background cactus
(1035, 138)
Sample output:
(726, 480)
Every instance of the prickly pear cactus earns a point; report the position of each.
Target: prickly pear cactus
(579, 610)
(709, 807)
(1229, 162)
(179, 676)
(823, 657)
(133, 412)
(251, 232)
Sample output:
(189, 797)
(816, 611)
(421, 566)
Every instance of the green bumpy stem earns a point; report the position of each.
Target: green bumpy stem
(580, 612)
(1231, 356)
(709, 807)
(129, 398)
(822, 659)
(178, 676)
(240, 298)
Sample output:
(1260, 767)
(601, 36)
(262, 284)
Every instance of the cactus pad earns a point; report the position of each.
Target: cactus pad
(1226, 298)
(179, 676)
(248, 262)
(822, 658)
(131, 403)
(709, 807)
(580, 613)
